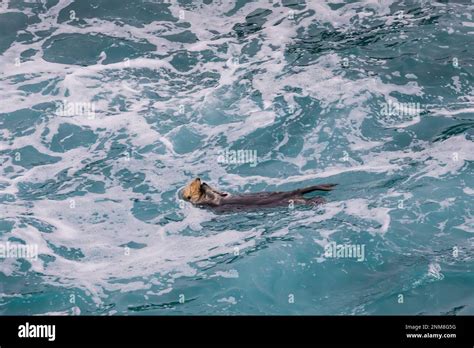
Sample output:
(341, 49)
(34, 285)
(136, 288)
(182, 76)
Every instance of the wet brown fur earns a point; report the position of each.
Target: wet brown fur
(201, 194)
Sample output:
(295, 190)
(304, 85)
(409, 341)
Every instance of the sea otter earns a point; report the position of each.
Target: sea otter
(203, 195)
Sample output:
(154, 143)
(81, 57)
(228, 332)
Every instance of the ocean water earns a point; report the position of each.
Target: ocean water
(108, 108)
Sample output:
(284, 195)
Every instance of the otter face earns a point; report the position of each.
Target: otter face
(193, 191)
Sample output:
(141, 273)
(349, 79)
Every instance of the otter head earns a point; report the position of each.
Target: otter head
(193, 192)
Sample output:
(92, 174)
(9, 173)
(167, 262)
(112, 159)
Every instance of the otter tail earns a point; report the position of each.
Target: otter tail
(324, 187)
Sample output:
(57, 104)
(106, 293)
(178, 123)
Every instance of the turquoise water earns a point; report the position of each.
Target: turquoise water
(108, 108)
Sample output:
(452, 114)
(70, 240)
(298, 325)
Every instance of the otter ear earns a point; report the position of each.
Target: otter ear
(198, 182)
